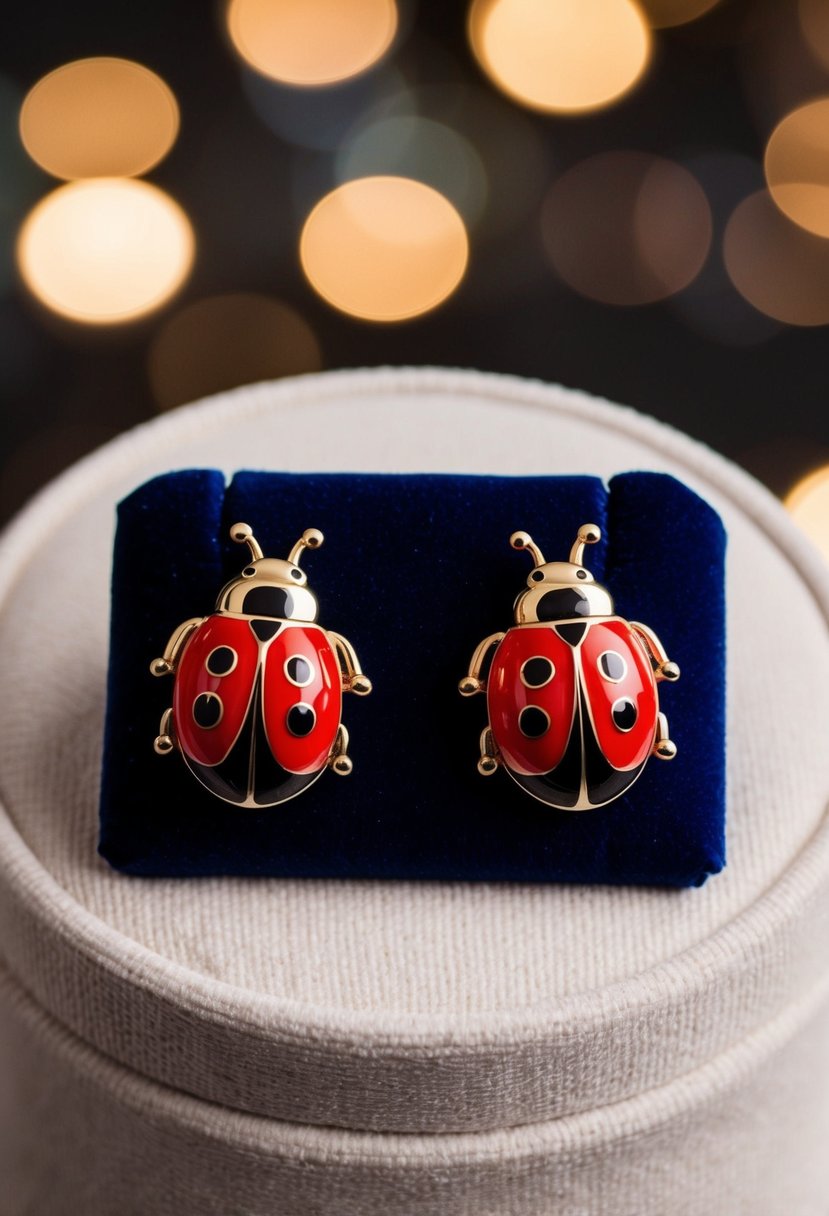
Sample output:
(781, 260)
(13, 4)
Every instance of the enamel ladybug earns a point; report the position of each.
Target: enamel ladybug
(572, 687)
(257, 698)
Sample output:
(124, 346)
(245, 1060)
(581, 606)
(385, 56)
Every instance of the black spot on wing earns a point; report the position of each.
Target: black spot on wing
(301, 720)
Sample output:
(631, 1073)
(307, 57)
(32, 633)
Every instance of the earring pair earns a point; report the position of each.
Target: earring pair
(571, 687)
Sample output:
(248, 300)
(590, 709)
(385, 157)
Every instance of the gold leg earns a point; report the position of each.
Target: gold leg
(663, 746)
(339, 760)
(165, 739)
(472, 682)
(490, 759)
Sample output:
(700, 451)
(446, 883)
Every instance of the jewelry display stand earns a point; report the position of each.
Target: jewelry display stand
(284, 1046)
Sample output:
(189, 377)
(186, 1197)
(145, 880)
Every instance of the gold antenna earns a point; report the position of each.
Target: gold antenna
(243, 535)
(588, 534)
(523, 540)
(311, 538)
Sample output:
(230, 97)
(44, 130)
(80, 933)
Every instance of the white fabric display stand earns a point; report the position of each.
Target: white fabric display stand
(297, 1047)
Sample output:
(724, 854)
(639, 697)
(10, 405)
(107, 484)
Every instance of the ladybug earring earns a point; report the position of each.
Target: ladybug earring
(258, 686)
(572, 687)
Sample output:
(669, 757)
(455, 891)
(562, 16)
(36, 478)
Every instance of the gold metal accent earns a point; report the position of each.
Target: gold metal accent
(603, 673)
(663, 747)
(596, 602)
(218, 675)
(490, 757)
(311, 669)
(243, 535)
(339, 760)
(558, 576)
(211, 696)
(523, 540)
(543, 683)
(539, 709)
(167, 664)
(472, 682)
(165, 740)
(620, 701)
(353, 678)
(311, 538)
(588, 534)
(301, 611)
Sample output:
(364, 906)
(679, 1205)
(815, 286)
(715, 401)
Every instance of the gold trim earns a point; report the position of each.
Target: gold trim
(218, 675)
(623, 729)
(532, 659)
(603, 673)
(207, 693)
(521, 713)
(308, 663)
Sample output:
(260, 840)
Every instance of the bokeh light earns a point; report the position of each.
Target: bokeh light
(106, 250)
(99, 118)
(664, 13)
(563, 56)
(311, 42)
(797, 166)
(384, 248)
(814, 24)
(419, 148)
(710, 305)
(627, 228)
(781, 269)
(504, 164)
(808, 504)
(320, 118)
(224, 341)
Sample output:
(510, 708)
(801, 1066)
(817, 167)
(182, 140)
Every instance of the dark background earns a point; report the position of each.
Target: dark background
(704, 361)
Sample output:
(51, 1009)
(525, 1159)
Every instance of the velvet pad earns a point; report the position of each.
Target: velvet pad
(415, 571)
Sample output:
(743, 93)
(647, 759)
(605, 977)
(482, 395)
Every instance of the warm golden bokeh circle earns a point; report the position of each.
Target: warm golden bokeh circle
(814, 23)
(224, 341)
(311, 42)
(105, 250)
(662, 14)
(384, 248)
(808, 504)
(99, 118)
(563, 56)
(797, 166)
(627, 228)
(781, 269)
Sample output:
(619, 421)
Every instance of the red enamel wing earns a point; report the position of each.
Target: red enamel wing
(571, 690)
(257, 700)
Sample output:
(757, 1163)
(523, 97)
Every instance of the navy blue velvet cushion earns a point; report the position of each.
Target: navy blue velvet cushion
(415, 571)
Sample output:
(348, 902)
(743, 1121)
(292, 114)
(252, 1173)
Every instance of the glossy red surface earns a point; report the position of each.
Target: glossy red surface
(210, 746)
(323, 694)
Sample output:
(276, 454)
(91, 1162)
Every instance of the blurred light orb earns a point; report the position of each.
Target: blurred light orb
(781, 269)
(223, 341)
(797, 166)
(814, 24)
(99, 118)
(311, 42)
(627, 228)
(662, 14)
(561, 56)
(420, 148)
(808, 505)
(106, 250)
(384, 248)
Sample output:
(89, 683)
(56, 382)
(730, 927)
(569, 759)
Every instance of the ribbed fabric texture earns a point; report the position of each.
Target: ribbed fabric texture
(417, 569)
(307, 1046)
